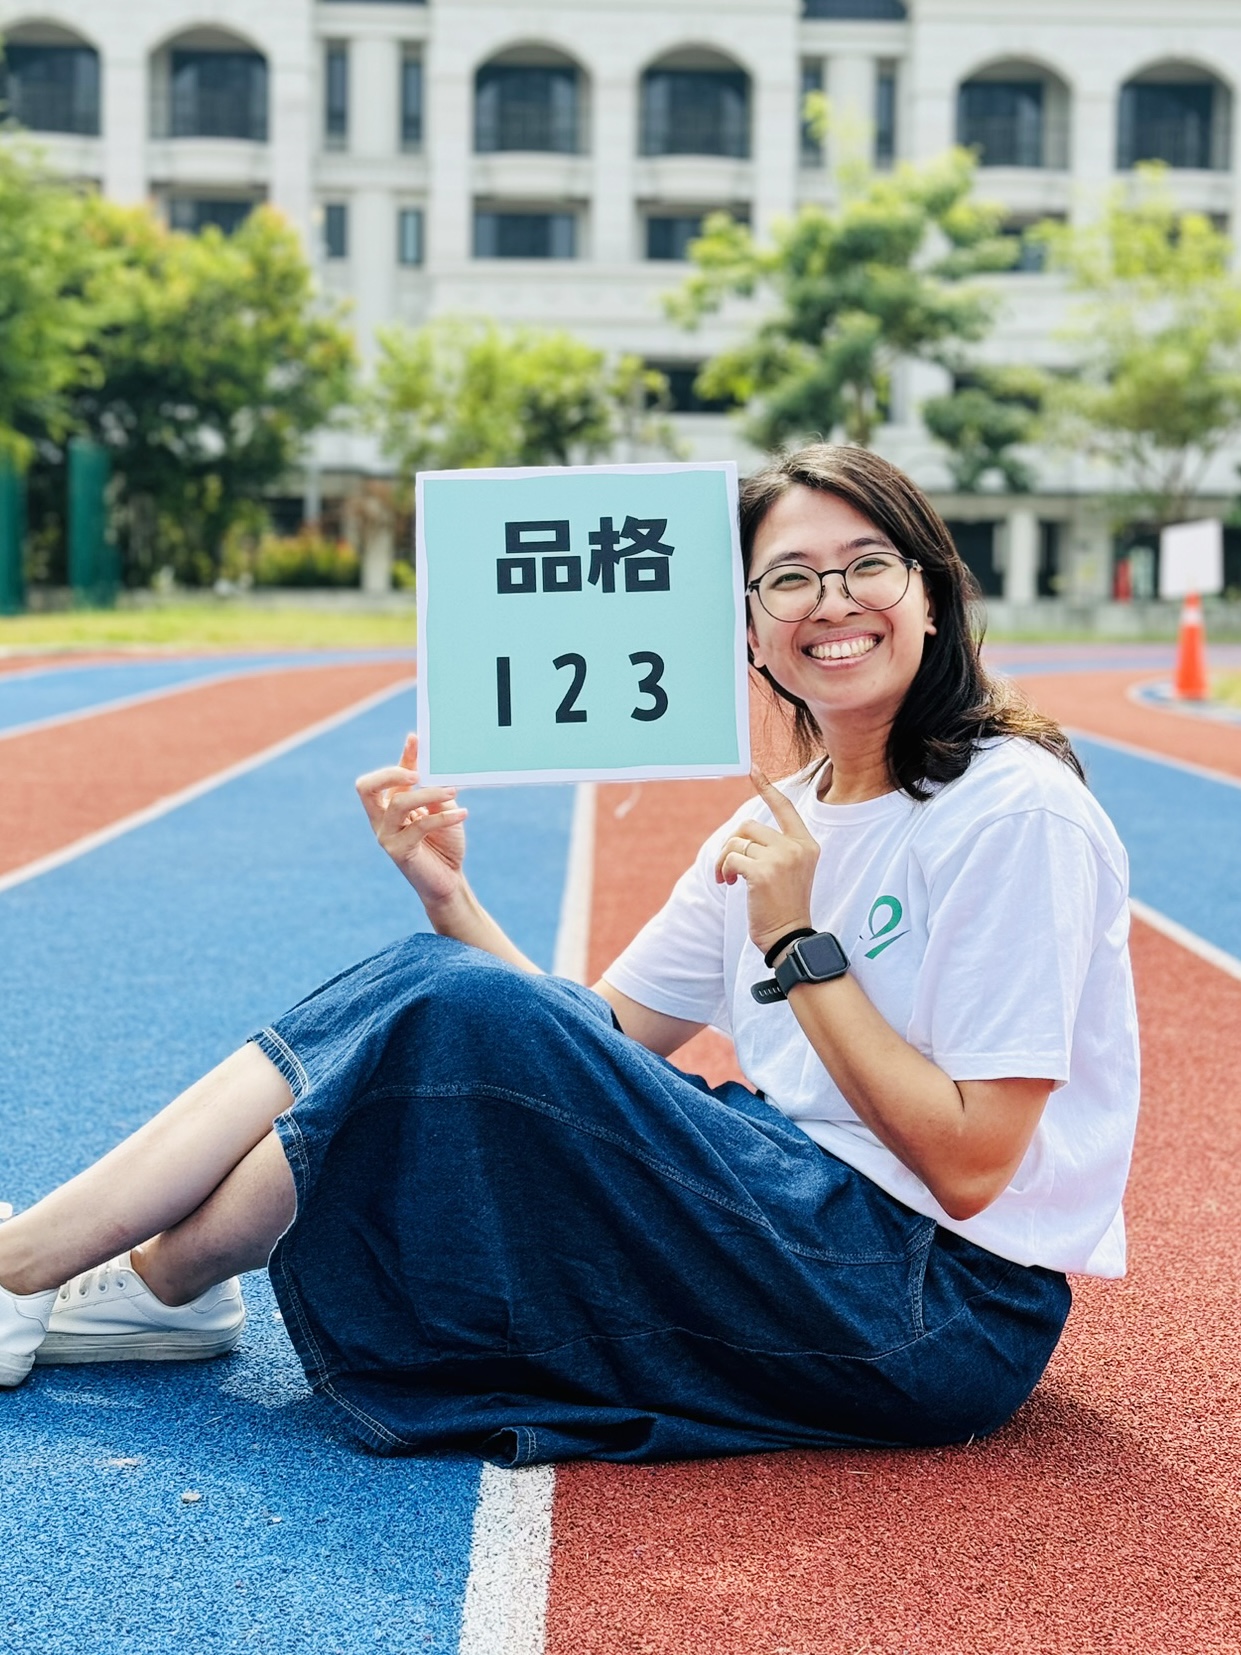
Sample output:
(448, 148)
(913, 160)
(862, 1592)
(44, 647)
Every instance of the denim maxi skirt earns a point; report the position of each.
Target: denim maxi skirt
(521, 1235)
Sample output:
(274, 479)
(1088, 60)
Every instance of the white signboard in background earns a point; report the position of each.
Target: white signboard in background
(1191, 559)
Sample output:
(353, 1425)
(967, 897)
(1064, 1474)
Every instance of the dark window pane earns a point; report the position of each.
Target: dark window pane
(411, 102)
(865, 11)
(336, 92)
(409, 235)
(811, 146)
(684, 398)
(1003, 119)
(696, 112)
(885, 118)
(518, 108)
(219, 95)
(1169, 123)
(524, 235)
(336, 230)
(669, 238)
(976, 544)
(52, 88)
(186, 213)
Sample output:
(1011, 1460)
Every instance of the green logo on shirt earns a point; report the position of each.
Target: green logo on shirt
(889, 910)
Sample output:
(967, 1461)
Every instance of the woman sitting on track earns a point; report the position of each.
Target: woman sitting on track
(499, 1221)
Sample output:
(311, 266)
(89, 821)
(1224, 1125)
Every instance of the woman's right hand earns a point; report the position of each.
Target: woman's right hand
(421, 828)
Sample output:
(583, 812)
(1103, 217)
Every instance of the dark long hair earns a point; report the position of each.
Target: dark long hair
(953, 703)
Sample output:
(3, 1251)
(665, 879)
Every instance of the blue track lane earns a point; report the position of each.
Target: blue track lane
(58, 691)
(1183, 835)
(122, 976)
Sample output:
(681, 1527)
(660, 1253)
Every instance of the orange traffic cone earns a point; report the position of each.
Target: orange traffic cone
(1190, 681)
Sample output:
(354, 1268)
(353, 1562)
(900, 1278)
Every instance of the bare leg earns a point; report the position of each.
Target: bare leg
(151, 1181)
(234, 1230)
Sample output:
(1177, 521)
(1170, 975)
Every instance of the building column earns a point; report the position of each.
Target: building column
(614, 147)
(294, 143)
(126, 118)
(776, 137)
(450, 207)
(1093, 140)
(1021, 570)
(851, 85)
(374, 94)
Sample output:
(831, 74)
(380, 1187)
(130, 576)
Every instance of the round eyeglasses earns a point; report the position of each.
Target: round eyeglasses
(792, 592)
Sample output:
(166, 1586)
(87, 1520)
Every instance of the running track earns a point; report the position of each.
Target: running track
(1106, 1517)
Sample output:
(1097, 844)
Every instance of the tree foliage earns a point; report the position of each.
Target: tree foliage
(1156, 391)
(850, 291)
(208, 363)
(461, 393)
(45, 266)
(983, 422)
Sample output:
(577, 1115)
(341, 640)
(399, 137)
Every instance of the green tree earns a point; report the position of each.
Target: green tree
(850, 290)
(462, 392)
(991, 413)
(1156, 389)
(209, 362)
(45, 265)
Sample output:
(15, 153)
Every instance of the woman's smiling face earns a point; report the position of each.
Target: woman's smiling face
(843, 658)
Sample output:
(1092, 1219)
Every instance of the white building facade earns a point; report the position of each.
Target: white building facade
(546, 162)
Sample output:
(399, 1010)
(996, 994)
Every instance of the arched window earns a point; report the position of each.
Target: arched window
(49, 81)
(528, 99)
(210, 84)
(1175, 114)
(1015, 114)
(696, 103)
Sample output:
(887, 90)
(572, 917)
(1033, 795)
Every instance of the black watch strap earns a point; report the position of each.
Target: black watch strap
(814, 959)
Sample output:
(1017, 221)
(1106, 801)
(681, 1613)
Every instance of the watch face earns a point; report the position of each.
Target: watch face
(822, 956)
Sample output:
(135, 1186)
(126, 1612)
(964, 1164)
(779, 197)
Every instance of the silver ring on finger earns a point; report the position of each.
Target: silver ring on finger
(746, 851)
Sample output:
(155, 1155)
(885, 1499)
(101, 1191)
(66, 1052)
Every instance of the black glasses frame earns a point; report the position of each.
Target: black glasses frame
(911, 565)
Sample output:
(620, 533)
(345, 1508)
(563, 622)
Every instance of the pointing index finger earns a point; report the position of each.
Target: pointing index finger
(784, 811)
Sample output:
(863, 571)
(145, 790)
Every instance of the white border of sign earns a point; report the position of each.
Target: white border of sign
(650, 772)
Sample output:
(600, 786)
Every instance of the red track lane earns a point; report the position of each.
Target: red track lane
(1098, 702)
(58, 785)
(1105, 1517)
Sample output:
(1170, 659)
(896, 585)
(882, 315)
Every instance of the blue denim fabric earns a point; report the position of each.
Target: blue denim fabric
(520, 1234)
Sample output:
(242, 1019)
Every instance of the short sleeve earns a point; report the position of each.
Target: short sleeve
(1013, 915)
(676, 964)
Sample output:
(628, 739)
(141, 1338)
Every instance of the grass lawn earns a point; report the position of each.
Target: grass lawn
(210, 625)
(1226, 687)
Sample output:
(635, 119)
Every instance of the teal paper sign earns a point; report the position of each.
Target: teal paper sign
(581, 623)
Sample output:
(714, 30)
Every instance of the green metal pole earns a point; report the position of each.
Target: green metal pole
(93, 573)
(12, 538)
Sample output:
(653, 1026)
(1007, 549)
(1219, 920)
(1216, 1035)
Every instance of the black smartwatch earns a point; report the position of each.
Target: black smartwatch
(814, 959)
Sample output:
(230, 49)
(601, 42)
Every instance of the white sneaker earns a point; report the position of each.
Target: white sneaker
(110, 1315)
(23, 1322)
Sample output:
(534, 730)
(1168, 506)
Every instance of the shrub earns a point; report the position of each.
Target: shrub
(305, 559)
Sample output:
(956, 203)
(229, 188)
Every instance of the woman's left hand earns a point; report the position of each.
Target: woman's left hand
(777, 864)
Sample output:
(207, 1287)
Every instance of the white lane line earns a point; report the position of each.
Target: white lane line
(1076, 734)
(510, 1563)
(1219, 957)
(174, 801)
(573, 931)
(161, 692)
(505, 1610)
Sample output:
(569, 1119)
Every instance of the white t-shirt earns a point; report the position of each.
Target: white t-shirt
(990, 927)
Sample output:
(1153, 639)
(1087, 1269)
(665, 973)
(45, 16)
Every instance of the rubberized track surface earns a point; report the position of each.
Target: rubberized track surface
(1106, 1517)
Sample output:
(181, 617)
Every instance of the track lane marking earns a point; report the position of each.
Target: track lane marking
(1132, 750)
(173, 801)
(506, 1593)
(138, 698)
(1223, 961)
